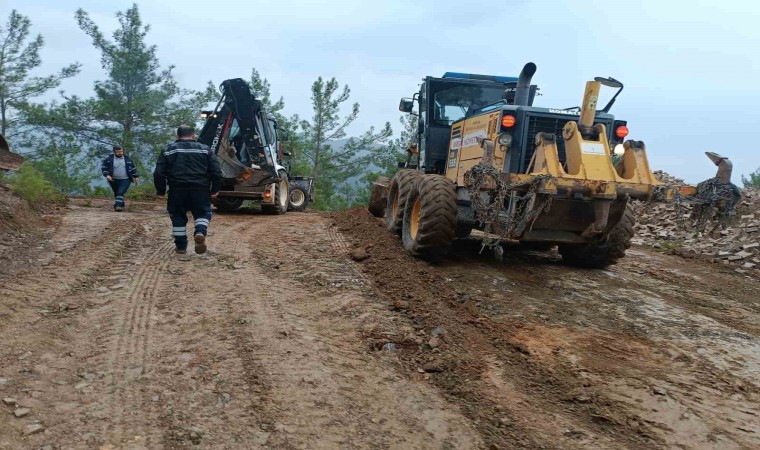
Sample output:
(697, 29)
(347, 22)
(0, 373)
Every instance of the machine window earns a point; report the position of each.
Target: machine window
(456, 102)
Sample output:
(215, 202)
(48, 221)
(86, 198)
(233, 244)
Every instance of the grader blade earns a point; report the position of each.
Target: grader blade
(379, 196)
(8, 159)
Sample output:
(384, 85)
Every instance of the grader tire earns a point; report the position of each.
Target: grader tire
(602, 253)
(430, 217)
(401, 184)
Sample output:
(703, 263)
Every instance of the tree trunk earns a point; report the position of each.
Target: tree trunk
(317, 154)
(3, 119)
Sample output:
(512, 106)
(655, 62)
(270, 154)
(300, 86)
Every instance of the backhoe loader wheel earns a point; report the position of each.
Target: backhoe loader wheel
(605, 251)
(298, 199)
(401, 184)
(281, 196)
(430, 217)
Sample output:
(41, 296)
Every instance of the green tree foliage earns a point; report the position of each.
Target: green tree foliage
(18, 57)
(386, 163)
(59, 160)
(753, 181)
(333, 166)
(30, 184)
(261, 89)
(139, 104)
(289, 128)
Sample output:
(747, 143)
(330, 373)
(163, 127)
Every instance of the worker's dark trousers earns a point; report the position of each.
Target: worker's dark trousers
(197, 202)
(119, 188)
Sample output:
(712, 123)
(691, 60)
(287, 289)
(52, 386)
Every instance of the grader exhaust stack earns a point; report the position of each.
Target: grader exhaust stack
(8, 159)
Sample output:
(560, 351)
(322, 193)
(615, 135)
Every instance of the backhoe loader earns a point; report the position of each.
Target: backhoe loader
(485, 158)
(248, 143)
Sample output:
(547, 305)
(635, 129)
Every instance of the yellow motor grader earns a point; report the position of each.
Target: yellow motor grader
(485, 158)
(8, 159)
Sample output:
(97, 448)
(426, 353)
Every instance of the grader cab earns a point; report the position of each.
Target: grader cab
(485, 158)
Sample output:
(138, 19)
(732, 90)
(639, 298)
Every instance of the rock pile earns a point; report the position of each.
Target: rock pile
(735, 242)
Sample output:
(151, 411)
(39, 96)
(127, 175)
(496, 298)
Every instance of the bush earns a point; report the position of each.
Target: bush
(143, 191)
(753, 181)
(31, 185)
(102, 191)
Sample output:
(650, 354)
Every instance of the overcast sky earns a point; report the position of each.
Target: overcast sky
(691, 68)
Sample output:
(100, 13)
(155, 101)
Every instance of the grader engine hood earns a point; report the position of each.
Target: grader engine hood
(578, 156)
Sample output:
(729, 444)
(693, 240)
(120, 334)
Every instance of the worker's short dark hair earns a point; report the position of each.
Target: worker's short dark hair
(117, 147)
(185, 131)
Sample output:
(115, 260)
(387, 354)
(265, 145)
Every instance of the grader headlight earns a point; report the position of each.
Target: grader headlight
(505, 139)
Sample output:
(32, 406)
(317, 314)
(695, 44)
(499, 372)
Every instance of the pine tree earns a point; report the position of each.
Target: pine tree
(332, 166)
(17, 59)
(139, 104)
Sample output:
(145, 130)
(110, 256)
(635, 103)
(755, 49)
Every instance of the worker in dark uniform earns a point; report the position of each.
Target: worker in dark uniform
(120, 172)
(194, 177)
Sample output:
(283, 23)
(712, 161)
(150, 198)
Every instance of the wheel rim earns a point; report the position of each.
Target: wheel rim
(414, 220)
(297, 197)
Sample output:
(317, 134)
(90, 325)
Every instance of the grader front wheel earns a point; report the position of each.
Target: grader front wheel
(430, 217)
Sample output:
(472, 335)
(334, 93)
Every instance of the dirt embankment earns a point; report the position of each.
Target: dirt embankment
(24, 231)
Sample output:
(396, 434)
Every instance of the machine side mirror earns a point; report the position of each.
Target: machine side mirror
(613, 83)
(609, 82)
(406, 105)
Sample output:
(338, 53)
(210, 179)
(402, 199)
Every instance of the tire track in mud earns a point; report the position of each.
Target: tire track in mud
(316, 385)
(68, 273)
(91, 251)
(128, 358)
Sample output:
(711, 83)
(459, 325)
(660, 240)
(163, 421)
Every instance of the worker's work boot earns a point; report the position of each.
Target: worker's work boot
(200, 243)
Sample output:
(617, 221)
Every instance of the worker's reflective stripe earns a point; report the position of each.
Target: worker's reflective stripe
(186, 150)
(201, 222)
(179, 231)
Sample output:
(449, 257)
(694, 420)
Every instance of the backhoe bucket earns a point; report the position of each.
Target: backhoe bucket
(8, 160)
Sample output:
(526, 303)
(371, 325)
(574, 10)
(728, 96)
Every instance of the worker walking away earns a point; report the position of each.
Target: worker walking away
(194, 177)
(120, 172)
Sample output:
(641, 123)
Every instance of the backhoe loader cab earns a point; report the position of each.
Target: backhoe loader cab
(486, 158)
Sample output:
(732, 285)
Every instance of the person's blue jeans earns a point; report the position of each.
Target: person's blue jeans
(119, 189)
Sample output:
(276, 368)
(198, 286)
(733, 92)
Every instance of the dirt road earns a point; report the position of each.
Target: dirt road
(279, 338)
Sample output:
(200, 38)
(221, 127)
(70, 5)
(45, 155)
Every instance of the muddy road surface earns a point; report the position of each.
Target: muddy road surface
(313, 330)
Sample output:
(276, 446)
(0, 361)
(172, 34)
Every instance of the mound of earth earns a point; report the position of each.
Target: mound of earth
(21, 228)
